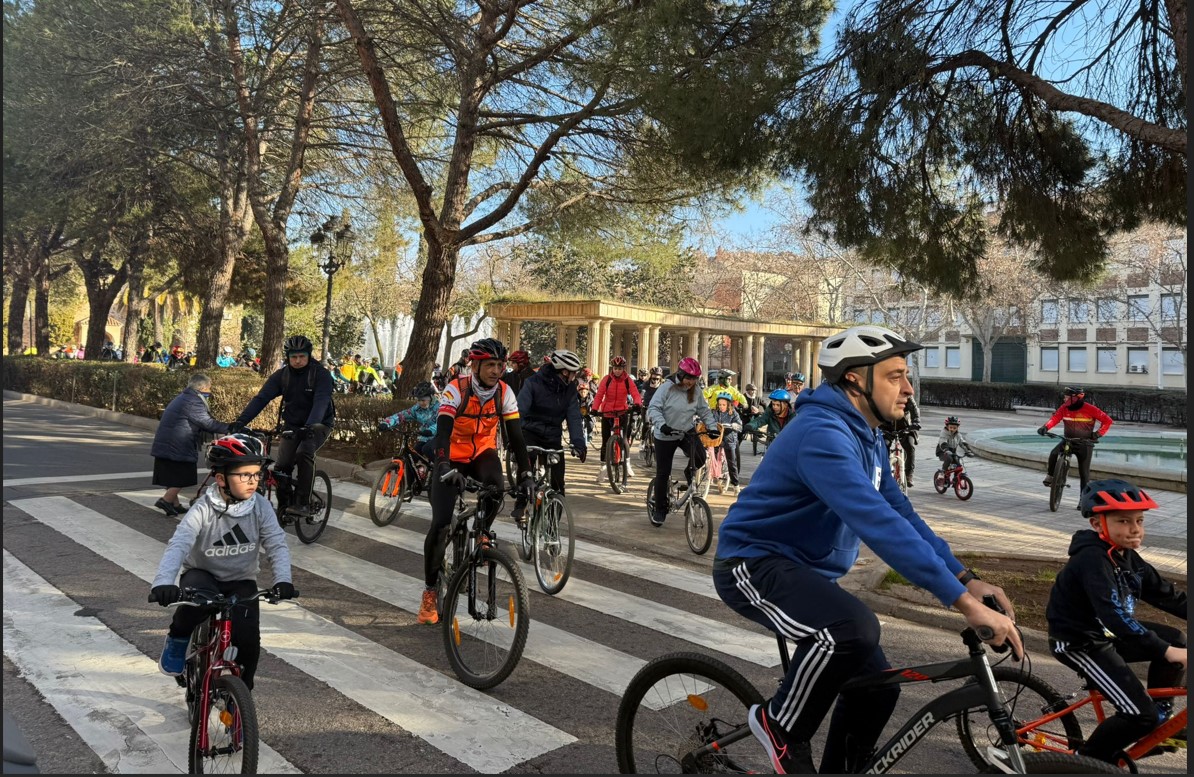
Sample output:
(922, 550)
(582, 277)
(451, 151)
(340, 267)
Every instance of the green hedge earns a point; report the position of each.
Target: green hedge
(146, 389)
(1152, 406)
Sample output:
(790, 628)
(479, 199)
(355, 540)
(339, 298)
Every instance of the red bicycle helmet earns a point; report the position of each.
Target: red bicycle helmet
(235, 449)
(618, 361)
(690, 366)
(487, 348)
(521, 359)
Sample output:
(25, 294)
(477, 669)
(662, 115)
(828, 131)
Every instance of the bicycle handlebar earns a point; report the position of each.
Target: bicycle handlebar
(190, 597)
(1090, 440)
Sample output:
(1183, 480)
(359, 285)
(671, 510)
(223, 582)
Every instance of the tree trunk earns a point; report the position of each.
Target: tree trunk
(431, 313)
(377, 341)
(1177, 23)
(278, 268)
(18, 298)
(450, 340)
(41, 308)
(157, 321)
(135, 311)
(988, 349)
(235, 221)
(207, 343)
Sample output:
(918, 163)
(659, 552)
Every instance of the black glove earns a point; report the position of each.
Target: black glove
(526, 484)
(452, 477)
(284, 590)
(381, 426)
(1042, 431)
(164, 594)
(1095, 436)
(582, 453)
(667, 430)
(914, 436)
(916, 427)
(236, 427)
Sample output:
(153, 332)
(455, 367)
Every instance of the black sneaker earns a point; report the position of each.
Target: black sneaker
(788, 756)
(1048, 482)
(656, 518)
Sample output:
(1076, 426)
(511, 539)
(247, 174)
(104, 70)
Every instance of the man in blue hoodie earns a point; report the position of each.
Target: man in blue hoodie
(796, 529)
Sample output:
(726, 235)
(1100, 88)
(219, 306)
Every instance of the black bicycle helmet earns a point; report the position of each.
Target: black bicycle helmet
(1101, 496)
(424, 390)
(657, 371)
(1077, 391)
(297, 344)
(952, 421)
(487, 348)
(235, 449)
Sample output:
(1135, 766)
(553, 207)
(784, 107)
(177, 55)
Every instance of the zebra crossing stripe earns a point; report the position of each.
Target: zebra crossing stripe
(103, 686)
(76, 479)
(570, 654)
(467, 725)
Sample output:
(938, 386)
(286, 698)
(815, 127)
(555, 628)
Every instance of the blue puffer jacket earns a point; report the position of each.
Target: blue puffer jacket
(180, 429)
(427, 417)
(545, 401)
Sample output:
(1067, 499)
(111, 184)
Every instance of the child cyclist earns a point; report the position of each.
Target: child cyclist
(216, 547)
(949, 441)
(425, 411)
(727, 417)
(1092, 622)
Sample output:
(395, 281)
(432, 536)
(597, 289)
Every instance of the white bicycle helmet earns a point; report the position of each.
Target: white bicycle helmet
(861, 346)
(564, 360)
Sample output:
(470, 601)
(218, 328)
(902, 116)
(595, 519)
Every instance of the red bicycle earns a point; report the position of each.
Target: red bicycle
(954, 476)
(617, 453)
(219, 705)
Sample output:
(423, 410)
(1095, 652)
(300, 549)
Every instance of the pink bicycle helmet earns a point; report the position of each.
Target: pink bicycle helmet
(690, 366)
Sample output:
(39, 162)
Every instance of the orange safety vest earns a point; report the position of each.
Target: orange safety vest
(476, 426)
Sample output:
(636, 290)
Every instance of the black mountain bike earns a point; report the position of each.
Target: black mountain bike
(406, 476)
(1062, 468)
(484, 606)
(547, 539)
(687, 712)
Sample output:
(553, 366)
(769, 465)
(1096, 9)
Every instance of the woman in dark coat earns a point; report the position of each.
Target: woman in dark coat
(175, 448)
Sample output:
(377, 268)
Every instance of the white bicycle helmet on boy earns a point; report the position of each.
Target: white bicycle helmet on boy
(564, 360)
(857, 347)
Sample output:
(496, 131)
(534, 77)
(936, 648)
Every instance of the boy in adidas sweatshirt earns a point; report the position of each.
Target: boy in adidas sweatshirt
(216, 547)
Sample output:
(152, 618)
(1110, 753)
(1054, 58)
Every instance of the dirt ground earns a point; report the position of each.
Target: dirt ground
(1027, 583)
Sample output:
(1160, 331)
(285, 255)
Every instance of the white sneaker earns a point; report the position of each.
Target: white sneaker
(733, 490)
(629, 470)
(602, 474)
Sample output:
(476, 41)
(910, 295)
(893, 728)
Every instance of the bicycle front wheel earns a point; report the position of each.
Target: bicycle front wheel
(616, 454)
(649, 454)
(1061, 763)
(683, 701)
(554, 545)
(698, 525)
(308, 528)
(964, 487)
(231, 723)
(486, 616)
(1028, 698)
(389, 491)
(1058, 487)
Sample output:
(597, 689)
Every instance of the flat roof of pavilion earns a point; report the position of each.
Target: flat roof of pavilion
(582, 311)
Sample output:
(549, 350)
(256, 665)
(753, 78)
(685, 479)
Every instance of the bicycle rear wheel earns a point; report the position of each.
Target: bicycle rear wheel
(511, 468)
(388, 493)
(554, 545)
(616, 459)
(964, 487)
(698, 525)
(649, 451)
(485, 644)
(940, 481)
(1028, 698)
(309, 528)
(682, 701)
(1058, 487)
(1060, 763)
(231, 722)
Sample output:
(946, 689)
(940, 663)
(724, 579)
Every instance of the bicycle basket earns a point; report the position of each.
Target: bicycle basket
(710, 442)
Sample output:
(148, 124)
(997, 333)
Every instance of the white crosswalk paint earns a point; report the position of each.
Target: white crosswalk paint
(580, 658)
(76, 479)
(748, 645)
(658, 572)
(468, 725)
(105, 688)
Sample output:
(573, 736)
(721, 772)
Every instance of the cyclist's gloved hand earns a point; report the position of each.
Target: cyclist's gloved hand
(916, 427)
(236, 427)
(382, 426)
(284, 590)
(452, 477)
(667, 430)
(582, 453)
(164, 594)
(1042, 431)
(1095, 436)
(526, 484)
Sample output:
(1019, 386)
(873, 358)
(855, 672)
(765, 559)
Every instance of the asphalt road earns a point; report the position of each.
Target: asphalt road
(349, 682)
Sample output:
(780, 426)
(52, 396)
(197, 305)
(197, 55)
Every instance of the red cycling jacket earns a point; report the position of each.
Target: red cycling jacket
(613, 394)
(1080, 423)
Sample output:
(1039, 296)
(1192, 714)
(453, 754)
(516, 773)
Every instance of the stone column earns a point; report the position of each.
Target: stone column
(760, 365)
(814, 372)
(594, 344)
(703, 349)
(607, 345)
(653, 334)
(515, 335)
(748, 360)
(806, 362)
(644, 347)
(560, 337)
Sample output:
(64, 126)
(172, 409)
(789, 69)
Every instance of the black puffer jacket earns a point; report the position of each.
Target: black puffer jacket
(306, 401)
(545, 402)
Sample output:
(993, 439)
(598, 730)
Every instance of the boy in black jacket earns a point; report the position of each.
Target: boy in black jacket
(1092, 623)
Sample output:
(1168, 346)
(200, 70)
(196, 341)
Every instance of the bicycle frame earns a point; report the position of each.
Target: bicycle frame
(407, 462)
(1029, 734)
(470, 552)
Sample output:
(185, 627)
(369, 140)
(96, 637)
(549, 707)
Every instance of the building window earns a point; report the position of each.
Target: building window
(1048, 360)
(1076, 359)
(1079, 311)
(1173, 361)
(1137, 360)
(860, 316)
(932, 358)
(1108, 311)
(1106, 360)
(1138, 307)
(877, 317)
(934, 317)
(1170, 304)
(1048, 311)
(953, 357)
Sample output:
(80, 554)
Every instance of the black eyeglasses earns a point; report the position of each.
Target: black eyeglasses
(246, 477)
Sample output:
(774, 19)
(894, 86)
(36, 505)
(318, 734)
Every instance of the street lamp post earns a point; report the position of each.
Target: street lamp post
(339, 229)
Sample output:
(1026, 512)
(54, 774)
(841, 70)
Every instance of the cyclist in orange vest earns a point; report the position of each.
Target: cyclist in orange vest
(470, 410)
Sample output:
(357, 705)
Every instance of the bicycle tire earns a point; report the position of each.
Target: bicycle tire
(698, 525)
(511, 468)
(678, 694)
(1015, 684)
(616, 454)
(232, 692)
(526, 543)
(1058, 486)
(1060, 763)
(649, 453)
(309, 529)
(499, 631)
(554, 545)
(940, 481)
(452, 561)
(383, 507)
(963, 487)
(650, 496)
(195, 667)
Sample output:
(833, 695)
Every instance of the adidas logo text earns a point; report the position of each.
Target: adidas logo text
(233, 550)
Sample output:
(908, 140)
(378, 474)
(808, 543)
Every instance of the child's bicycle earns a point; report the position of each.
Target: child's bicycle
(406, 476)
(547, 539)
(687, 712)
(954, 476)
(1062, 468)
(895, 452)
(484, 605)
(698, 518)
(219, 705)
(1057, 729)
